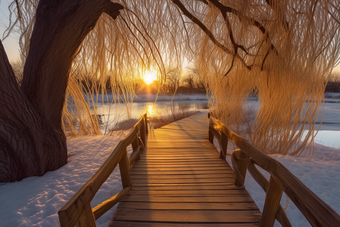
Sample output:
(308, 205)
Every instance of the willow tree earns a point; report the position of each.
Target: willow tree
(283, 49)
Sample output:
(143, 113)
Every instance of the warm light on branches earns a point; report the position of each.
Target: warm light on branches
(282, 51)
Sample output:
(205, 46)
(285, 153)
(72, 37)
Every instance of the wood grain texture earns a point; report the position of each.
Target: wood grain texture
(316, 211)
(79, 205)
(180, 180)
(271, 204)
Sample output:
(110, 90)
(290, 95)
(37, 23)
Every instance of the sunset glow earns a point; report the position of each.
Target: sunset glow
(150, 76)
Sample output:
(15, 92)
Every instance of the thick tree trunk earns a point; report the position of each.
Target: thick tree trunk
(58, 32)
(29, 144)
(31, 138)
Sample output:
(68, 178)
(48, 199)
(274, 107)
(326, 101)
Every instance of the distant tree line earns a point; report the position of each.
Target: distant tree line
(333, 84)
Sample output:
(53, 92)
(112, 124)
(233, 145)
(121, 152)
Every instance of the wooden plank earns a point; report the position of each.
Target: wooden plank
(181, 181)
(180, 168)
(187, 187)
(191, 199)
(178, 172)
(161, 224)
(194, 216)
(181, 162)
(139, 165)
(187, 206)
(193, 192)
(146, 184)
(187, 154)
(180, 176)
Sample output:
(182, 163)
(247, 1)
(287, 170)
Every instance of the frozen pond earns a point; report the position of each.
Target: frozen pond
(329, 134)
(328, 138)
(121, 112)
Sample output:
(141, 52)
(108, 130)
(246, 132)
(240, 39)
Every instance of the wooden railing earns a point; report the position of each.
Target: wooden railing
(77, 211)
(317, 212)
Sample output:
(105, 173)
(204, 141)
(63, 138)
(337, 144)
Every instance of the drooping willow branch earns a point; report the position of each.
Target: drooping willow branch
(208, 32)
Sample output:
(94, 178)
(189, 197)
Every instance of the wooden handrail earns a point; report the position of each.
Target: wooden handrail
(317, 212)
(78, 211)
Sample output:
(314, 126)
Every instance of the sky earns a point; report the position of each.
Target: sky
(11, 43)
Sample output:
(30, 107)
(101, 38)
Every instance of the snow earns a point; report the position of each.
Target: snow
(35, 201)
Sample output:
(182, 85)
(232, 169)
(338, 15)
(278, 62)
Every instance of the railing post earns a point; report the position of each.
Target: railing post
(211, 135)
(240, 163)
(143, 131)
(271, 204)
(124, 167)
(86, 218)
(146, 123)
(224, 146)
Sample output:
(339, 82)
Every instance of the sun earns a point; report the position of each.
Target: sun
(150, 76)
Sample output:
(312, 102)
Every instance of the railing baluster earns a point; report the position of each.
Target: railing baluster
(135, 143)
(211, 135)
(143, 131)
(224, 146)
(240, 164)
(146, 123)
(271, 204)
(124, 167)
(86, 218)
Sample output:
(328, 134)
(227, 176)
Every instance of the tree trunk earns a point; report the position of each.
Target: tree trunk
(31, 138)
(29, 144)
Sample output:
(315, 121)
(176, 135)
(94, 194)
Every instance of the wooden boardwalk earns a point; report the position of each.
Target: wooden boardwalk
(181, 181)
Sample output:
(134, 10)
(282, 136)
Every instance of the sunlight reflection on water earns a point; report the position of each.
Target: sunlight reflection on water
(122, 112)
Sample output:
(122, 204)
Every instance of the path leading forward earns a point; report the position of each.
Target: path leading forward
(181, 181)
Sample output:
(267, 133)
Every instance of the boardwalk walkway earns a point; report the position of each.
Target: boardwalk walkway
(180, 181)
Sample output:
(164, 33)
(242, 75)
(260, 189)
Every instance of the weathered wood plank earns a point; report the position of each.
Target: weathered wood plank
(181, 181)
(139, 165)
(187, 206)
(161, 224)
(186, 187)
(180, 162)
(194, 216)
(182, 168)
(192, 193)
(192, 199)
(178, 172)
(146, 184)
(181, 176)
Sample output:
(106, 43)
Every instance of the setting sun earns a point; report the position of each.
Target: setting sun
(150, 76)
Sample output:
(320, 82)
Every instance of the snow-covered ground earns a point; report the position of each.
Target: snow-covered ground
(35, 201)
